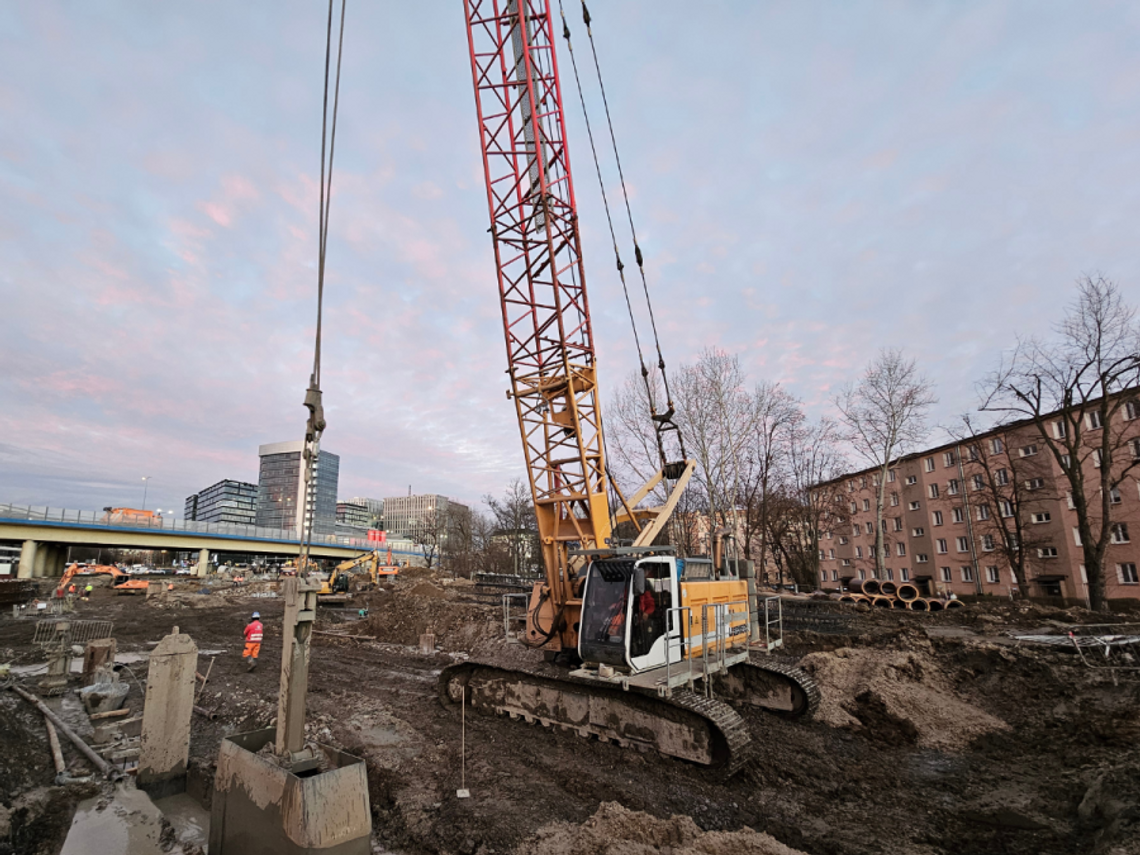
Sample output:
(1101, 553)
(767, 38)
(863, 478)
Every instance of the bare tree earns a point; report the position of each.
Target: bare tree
(1074, 389)
(1003, 502)
(516, 527)
(885, 416)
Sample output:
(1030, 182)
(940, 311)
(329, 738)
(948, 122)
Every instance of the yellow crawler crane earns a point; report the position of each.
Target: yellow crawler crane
(637, 639)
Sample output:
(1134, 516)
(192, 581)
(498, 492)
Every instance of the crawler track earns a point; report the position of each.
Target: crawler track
(774, 686)
(686, 725)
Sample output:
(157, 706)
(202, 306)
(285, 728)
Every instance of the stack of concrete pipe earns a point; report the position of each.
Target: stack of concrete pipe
(889, 595)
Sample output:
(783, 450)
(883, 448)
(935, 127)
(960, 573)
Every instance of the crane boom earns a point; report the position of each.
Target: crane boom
(534, 227)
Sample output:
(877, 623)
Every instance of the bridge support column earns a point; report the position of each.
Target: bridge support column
(39, 566)
(203, 562)
(27, 559)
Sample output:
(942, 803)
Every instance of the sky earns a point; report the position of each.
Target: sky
(811, 182)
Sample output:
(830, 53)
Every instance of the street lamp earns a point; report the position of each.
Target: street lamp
(145, 480)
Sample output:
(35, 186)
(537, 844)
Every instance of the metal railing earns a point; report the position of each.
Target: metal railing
(773, 618)
(508, 617)
(96, 519)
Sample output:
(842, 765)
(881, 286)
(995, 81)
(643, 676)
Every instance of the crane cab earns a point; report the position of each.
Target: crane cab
(642, 613)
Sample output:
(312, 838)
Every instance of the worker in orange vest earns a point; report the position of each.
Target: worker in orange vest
(253, 634)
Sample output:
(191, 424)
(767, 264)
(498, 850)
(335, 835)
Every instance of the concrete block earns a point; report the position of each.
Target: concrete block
(98, 655)
(104, 697)
(166, 716)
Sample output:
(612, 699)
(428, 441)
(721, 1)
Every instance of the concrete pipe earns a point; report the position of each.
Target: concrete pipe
(880, 602)
(871, 586)
(855, 586)
(907, 592)
(896, 603)
(955, 604)
(849, 598)
(919, 605)
(934, 605)
(888, 589)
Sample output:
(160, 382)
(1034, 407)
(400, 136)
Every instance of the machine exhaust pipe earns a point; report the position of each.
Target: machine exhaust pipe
(907, 591)
(918, 605)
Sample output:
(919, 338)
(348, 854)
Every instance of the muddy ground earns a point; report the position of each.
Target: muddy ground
(936, 735)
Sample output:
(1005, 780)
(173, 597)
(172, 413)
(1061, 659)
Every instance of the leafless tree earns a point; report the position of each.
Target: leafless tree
(885, 416)
(515, 528)
(998, 480)
(1079, 390)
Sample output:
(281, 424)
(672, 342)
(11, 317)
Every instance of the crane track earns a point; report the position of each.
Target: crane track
(776, 687)
(686, 725)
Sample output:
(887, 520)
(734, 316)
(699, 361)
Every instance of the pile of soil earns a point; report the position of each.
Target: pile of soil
(896, 695)
(614, 830)
(402, 616)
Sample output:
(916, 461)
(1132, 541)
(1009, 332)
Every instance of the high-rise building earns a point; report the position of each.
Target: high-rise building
(281, 487)
(412, 516)
(361, 512)
(225, 502)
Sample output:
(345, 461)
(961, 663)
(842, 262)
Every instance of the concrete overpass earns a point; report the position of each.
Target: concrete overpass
(47, 532)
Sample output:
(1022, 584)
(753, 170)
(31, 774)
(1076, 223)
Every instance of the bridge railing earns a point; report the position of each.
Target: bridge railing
(33, 513)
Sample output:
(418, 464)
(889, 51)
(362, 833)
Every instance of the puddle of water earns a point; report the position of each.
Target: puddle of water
(191, 821)
(129, 825)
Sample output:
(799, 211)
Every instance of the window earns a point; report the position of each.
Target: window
(921, 558)
(874, 573)
(988, 542)
(948, 459)
(1027, 450)
(883, 524)
(1077, 537)
(1120, 533)
(958, 514)
(963, 544)
(1134, 444)
(992, 575)
(862, 574)
(863, 483)
(1066, 461)
(914, 506)
(1114, 496)
(983, 512)
(1084, 574)
(933, 491)
(854, 508)
(937, 518)
(952, 487)
(1006, 507)
(898, 524)
(822, 555)
(834, 575)
(870, 528)
(1047, 552)
(850, 486)
(971, 452)
(904, 574)
(1093, 420)
(858, 551)
(1041, 517)
(940, 546)
(967, 574)
(1127, 574)
(827, 534)
(900, 549)
(846, 562)
(1069, 500)
(1034, 483)
(843, 540)
(947, 576)
(1002, 477)
(1060, 429)
(917, 532)
(1097, 457)
(866, 504)
(978, 482)
(894, 500)
(856, 529)
(1131, 409)
(831, 553)
(911, 479)
(996, 446)
(929, 464)
(891, 475)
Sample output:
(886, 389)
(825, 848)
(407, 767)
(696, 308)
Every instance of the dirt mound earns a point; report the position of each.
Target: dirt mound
(401, 617)
(903, 697)
(426, 589)
(613, 830)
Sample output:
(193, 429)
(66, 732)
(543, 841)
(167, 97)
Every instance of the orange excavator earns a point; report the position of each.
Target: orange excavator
(645, 647)
(121, 582)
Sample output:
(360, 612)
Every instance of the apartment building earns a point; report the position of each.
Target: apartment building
(956, 516)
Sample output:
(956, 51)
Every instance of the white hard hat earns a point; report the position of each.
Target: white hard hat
(256, 614)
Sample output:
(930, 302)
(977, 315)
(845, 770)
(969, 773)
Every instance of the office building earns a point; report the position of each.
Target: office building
(225, 502)
(281, 487)
(361, 513)
(413, 516)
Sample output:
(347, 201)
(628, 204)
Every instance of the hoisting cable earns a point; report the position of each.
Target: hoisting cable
(606, 205)
(665, 420)
(316, 424)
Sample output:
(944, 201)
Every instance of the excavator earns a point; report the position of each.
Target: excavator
(643, 647)
(335, 589)
(121, 582)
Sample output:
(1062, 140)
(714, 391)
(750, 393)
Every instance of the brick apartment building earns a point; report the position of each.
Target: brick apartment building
(948, 512)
